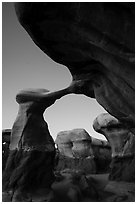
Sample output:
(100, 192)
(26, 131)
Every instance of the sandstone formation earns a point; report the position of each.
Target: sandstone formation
(122, 142)
(78, 140)
(5, 146)
(95, 41)
(32, 151)
(78, 150)
(75, 151)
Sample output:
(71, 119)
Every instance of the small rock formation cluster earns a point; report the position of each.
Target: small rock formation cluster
(78, 150)
(122, 142)
(5, 146)
(75, 151)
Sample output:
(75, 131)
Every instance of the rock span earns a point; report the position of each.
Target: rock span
(96, 41)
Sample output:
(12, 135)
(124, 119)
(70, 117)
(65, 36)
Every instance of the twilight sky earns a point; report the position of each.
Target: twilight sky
(24, 65)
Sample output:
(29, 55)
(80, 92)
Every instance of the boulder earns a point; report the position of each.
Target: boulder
(75, 151)
(122, 142)
(96, 41)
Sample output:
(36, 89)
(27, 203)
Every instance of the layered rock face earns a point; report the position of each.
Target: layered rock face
(75, 151)
(5, 146)
(122, 142)
(95, 41)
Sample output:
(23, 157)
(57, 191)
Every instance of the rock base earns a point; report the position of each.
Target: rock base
(122, 169)
(86, 165)
(102, 158)
(28, 170)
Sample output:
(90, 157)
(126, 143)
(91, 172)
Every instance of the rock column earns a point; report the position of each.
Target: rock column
(122, 142)
(29, 169)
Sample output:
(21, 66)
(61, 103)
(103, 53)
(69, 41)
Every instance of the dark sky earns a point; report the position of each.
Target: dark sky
(24, 65)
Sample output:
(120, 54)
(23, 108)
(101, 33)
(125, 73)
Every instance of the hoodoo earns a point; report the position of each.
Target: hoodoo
(122, 142)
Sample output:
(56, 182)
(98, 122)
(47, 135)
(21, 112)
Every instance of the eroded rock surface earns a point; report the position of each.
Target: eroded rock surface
(78, 150)
(122, 142)
(102, 155)
(78, 140)
(75, 151)
(31, 160)
(95, 41)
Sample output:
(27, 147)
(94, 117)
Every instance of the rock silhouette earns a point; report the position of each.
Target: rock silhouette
(95, 41)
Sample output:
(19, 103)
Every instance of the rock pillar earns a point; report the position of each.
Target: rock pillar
(122, 142)
(30, 165)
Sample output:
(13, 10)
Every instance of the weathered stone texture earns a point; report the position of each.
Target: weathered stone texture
(75, 151)
(96, 41)
(122, 142)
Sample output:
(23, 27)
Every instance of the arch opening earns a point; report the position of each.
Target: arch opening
(73, 111)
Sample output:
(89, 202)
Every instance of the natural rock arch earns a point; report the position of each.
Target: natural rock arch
(96, 52)
(81, 112)
(88, 38)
